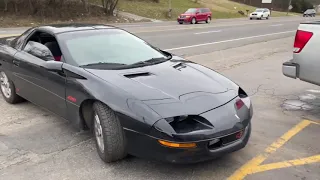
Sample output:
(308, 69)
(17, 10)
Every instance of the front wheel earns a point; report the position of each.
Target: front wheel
(8, 89)
(267, 17)
(109, 134)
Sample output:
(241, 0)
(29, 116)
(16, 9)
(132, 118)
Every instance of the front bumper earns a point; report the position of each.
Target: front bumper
(290, 69)
(186, 20)
(145, 146)
(255, 16)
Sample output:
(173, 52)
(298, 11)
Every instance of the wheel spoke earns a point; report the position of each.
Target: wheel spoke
(98, 132)
(5, 85)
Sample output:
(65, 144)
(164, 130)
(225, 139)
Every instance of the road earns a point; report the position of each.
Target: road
(222, 34)
(35, 144)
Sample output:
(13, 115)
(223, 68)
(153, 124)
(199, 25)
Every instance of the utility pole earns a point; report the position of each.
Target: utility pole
(288, 7)
(170, 9)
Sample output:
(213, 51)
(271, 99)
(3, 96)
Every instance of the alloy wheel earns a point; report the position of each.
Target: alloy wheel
(98, 132)
(5, 85)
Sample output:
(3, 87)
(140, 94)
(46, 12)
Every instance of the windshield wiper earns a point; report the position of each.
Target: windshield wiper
(103, 63)
(151, 61)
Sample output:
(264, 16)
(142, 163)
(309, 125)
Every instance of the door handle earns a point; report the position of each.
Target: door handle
(16, 62)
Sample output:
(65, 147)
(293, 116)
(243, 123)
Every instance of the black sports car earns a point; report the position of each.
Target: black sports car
(136, 98)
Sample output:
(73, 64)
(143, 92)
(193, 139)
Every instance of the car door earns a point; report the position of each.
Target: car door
(265, 13)
(203, 14)
(38, 85)
(198, 15)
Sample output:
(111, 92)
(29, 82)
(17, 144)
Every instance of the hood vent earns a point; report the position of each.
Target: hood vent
(135, 75)
(179, 66)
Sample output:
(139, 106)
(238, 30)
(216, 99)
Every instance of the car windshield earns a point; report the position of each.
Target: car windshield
(191, 10)
(107, 46)
(259, 10)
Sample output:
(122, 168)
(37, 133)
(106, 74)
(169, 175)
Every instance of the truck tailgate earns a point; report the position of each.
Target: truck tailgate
(306, 53)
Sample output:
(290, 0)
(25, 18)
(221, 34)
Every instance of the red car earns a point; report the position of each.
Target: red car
(195, 15)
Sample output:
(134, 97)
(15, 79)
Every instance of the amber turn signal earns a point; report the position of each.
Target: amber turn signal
(177, 145)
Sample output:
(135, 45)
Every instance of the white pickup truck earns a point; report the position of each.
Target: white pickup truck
(305, 64)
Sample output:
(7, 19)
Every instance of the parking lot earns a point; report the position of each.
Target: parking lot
(35, 144)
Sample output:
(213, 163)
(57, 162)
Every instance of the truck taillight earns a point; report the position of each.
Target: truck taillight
(301, 39)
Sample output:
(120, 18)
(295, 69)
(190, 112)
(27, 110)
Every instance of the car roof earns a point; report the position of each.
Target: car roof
(71, 27)
(198, 8)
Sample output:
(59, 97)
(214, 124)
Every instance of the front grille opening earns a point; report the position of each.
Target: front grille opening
(186, 124)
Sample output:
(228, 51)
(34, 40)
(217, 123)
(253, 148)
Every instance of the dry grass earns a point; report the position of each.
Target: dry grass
(220, 8)
(28, 21)
(234, 7)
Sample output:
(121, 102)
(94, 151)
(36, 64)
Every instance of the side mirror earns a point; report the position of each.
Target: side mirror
(54, 66)
(39, 50)
(197, 12)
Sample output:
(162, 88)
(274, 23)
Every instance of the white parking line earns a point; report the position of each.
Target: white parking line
(276, 25)
(229, 40)
(129, 25)
(208, 32)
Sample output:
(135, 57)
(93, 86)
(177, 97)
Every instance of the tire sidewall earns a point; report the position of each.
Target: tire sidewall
(103, 155)
(193, 21)
(208, 19)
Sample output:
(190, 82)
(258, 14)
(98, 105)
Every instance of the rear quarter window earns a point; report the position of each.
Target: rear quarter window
(205, 10)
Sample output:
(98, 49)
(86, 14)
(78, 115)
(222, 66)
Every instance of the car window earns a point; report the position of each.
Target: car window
(191, 10)
(106, 46)
(259, 10)
(18, 42)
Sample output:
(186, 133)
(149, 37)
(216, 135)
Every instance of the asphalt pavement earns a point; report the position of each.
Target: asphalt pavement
(35, 144)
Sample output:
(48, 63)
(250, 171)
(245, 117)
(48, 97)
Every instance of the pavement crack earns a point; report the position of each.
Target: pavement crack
(257, 90)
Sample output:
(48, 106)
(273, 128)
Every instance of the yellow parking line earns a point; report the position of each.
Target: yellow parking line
(284, 164)
(8, 35)
(315, 122)
(250, 166)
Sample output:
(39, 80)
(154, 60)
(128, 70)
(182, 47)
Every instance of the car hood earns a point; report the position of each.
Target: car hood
(171, 86)
(186, 14)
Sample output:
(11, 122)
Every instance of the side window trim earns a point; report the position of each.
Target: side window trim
(27, 38)
(20, 45)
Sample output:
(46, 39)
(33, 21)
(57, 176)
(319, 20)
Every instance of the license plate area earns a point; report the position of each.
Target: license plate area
(217, 143)
(232, 137)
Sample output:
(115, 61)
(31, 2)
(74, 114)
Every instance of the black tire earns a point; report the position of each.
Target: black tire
(267, 17)
(13, 98)
(250, 18)
(193, 20)
(180, 22)
(208, 20)
(113, 134)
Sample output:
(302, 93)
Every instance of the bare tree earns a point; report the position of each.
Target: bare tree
(16, 5)
(109, 6)
(85, 5)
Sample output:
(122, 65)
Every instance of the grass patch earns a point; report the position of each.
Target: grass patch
(146, 8)
(220, 8)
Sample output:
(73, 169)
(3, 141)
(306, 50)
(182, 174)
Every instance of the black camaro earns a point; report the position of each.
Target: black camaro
(136, 98)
